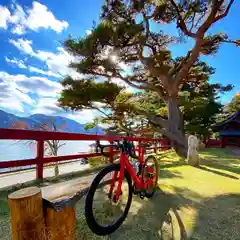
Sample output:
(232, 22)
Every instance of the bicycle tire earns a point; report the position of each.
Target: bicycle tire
(150, 194)
(92, 224)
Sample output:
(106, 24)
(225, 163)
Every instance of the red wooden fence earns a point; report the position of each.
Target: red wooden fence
(213, 143)
(40, 137)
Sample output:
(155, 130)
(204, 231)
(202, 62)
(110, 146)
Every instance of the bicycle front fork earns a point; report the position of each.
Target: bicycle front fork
(119, 181)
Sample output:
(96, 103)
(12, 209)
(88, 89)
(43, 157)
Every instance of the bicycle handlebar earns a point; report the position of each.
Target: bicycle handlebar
(125, 147)
(98, 145)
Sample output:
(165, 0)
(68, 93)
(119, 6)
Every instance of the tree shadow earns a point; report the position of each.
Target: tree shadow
(165, 173)
(170, 164)
(4, 210)
(4, 219)
(218, 218)
(224, 165)
(217, 172)
(156, 218)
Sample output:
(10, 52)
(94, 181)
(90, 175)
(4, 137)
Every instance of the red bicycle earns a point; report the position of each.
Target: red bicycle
(116, 180)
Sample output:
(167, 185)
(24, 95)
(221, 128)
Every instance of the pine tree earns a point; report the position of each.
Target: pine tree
(129, 45)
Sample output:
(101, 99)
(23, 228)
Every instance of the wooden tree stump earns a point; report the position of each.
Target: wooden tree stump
(26, 211)
(60, 225)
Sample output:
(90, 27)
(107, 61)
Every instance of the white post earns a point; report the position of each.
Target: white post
(193, 156)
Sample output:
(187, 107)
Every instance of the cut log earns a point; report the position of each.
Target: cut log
(26, 212)
(60, 214)
(61, 224)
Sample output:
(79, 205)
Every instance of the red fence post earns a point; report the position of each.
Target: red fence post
(40, 155)
(141, 152)
(139, 149)
(111, 153)
(165, 145)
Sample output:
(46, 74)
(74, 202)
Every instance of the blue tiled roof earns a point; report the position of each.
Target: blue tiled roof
(229, 119)
(229, 133)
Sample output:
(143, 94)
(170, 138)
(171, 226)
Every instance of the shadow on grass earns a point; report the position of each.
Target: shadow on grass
(156, 218)
(217, 172)
(4, 219)
(165, 173)
(170, 164)
(219, 218)
(4, 210)
(223, 165)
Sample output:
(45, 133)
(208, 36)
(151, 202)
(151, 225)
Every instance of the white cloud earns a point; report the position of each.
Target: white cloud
(47, 73)
(19, 30)
(12, 98)
(19, 20)
(49, 106)
(23, 45)
(40, 17)
(4, 17)
(57, 63)
(19, 63)
(84, 116)
(38, 85)
(34, 18)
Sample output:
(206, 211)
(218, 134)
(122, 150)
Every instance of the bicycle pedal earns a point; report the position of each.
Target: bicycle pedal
(141, 196)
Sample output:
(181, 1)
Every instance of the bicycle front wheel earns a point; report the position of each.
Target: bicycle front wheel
(103, 213)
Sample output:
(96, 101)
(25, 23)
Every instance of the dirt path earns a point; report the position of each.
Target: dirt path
(29, 175)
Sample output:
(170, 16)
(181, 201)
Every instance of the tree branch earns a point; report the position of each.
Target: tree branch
(180, 22)
(199, 40)
(170, 135)
(225, 13)
(157, 120)
(185, 68)
(210, 19)
(181, 64)
(237, 42)
(140, 87)
(101, 111)
(60, 145)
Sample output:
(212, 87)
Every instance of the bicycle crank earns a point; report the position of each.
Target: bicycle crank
(139, 192)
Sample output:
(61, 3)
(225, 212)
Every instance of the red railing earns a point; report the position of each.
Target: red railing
(213, 143)
(40, 137)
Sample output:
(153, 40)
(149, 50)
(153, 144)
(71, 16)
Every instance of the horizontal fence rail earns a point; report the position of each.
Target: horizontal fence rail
(41, 136)
(213, 143)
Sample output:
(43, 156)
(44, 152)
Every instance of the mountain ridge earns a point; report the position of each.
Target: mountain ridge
(33, 122)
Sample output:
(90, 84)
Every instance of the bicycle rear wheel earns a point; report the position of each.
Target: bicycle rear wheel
(150, 172)
(100, 206)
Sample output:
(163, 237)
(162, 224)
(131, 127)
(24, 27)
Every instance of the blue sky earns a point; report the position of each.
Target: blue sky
(32, 60)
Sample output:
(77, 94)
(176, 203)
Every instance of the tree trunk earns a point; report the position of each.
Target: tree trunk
(173, 128)
(176, 128)
(56, 167)
(56, 170)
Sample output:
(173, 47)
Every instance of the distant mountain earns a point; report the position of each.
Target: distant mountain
(7, 120)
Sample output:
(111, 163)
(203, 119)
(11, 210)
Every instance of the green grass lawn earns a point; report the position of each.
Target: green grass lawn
(191, 203)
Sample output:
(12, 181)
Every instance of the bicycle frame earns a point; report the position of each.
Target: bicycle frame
(125, 164)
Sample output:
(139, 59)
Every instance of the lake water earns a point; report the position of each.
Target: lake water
(12, 150)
